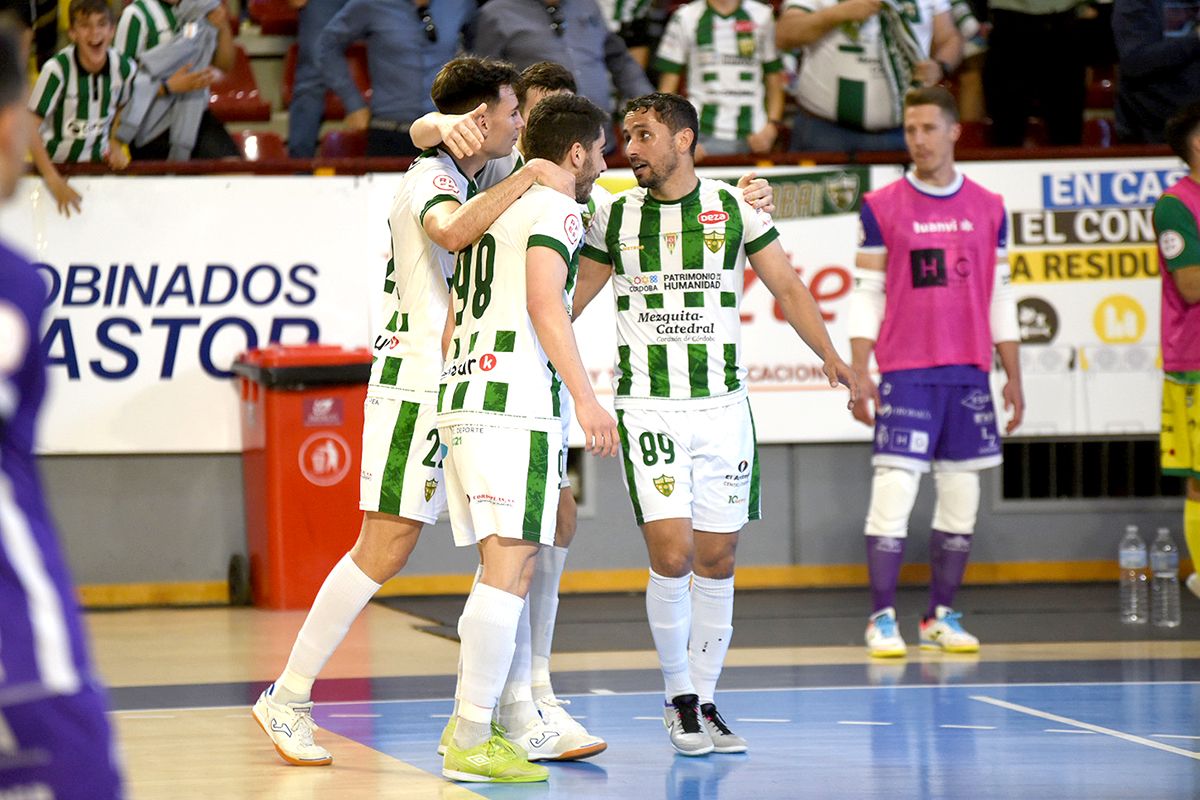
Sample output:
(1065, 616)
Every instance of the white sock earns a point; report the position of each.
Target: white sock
(712, 627)
(516, 709)
(488, 631)
(346, 590)
(543, 611)
(669, 610)
(458, 674)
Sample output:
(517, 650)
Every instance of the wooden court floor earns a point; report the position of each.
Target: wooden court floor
(182, 682)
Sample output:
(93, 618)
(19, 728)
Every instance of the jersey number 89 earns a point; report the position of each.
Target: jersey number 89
(484, 256)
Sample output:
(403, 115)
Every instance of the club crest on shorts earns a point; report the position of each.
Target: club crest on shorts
(430, 488)
(714, 240)
(665, 485)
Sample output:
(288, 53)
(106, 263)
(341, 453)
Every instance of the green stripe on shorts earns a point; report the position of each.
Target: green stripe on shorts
(755, 504)
(535, 485)
(623, 433)
(393, 471)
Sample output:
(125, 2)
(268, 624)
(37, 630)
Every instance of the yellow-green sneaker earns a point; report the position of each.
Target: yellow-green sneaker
(448, 734)
(495, 761)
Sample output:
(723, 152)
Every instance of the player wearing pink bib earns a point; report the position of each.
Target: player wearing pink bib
(1175, 223)
(932, 297)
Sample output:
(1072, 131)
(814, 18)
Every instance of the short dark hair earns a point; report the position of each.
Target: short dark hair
(85, 8)
(12, 68)
(560, 121)
(1181, 127)
(464, 83)
(548, 76)
(932, 96)
(673, 111)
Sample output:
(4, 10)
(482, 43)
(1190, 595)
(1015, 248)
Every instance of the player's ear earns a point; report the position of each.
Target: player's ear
(683, 140)
(578, 155)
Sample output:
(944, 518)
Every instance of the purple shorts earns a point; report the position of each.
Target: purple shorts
(64, 749)
(942, 417)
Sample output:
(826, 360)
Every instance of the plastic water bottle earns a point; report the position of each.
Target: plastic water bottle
(1135, 600)
(1164, 561)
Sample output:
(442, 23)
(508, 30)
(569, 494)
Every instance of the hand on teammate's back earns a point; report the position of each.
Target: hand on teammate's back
(599, 428)
(757, 192)
(547, 173)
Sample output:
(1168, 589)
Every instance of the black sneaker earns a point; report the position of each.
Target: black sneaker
(682, 718)
(723, 739)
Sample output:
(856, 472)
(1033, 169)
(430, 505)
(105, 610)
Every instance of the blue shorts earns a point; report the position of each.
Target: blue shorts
(64, 749)
(941, 417)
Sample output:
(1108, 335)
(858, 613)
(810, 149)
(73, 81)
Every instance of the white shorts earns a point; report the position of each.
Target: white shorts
(565, 481)
(502, 481)
(697, 464)
(401, 458)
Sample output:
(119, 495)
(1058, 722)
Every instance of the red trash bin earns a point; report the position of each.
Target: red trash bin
(302, 418)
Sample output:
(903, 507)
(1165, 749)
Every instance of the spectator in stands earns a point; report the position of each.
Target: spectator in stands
(1035, 65)
(859, 58)
(639, 23)
(310, 84)
(727, 48)
(147, 25)
(569, 32)
(78, 96)
(407, 43)
(1159, 52)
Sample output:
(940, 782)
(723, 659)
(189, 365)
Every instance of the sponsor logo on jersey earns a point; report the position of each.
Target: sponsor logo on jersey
(445, 183)
(625, 247)
(672, 239)
(928, 268)
(573, 228)
(491, 500)
(977, 400)
(743, 466)
(712, 217)
(665, 485)
(487, 362)
(744, 26)
(714, 240)
(430, 488)
(1171, 243)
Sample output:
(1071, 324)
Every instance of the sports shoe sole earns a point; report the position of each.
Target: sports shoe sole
(577, 754)
(471, 777)
(964, 648)
(741, 748)
(898, 652)
(295, 762)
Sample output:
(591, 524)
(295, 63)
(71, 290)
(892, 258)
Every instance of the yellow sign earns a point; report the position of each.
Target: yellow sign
(1065, 266)
(1119, 319)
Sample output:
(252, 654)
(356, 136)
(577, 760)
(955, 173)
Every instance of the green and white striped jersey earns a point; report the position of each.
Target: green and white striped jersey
(622, 12)
(841, 74)
(678, 270)
(143, 25)
(78, 107)
(408, 349)
(496, 372)
(726, 58)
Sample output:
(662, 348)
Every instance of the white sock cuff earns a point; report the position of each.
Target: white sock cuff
(490, 604)
(553, 557)
(670, 589)
(357, 582)
(713, 587)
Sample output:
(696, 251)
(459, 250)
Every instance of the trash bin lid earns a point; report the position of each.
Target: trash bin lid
(295, 366)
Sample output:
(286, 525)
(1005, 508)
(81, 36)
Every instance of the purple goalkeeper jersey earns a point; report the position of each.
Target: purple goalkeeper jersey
(42, 647)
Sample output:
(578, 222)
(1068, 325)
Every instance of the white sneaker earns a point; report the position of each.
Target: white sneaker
(556, 740)
(1193, 583)
(943, 632)
(883, 636)
(291, 729)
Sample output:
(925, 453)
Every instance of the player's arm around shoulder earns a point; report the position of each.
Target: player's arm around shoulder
(1179, 245)
(595, 262)
(800, 310)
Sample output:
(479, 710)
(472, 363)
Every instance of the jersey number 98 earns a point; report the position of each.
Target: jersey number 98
(484, 256)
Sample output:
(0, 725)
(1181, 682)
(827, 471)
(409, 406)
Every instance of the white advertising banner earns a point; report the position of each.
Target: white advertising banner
(160, 282)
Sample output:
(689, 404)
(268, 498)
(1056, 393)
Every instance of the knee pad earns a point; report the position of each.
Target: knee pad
(893, 492)
(957, 501)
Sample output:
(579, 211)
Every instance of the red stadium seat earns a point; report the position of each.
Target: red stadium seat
(343, 144)
(274, 17)
(356, 55)
(1102, 89)
(975, 134)
(1099, 132)
(260, 145)
(235, 97)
